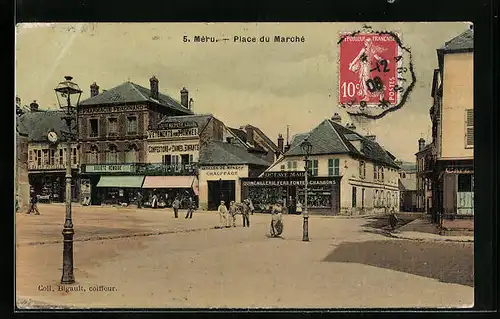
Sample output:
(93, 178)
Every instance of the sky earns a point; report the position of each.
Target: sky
(269, 85)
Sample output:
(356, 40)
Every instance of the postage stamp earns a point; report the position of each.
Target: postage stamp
(375, 72)
(221, 165)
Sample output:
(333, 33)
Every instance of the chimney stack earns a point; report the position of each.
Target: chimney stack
(336, 118)
(153, 85)
(191, 103)
(185, 98)
(250, 133)
(352, 126)
(281, 143)
(94, 89)
(371, 137)
(34, 106)
(421, 144)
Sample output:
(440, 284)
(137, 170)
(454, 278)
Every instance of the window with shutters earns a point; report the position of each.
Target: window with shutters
(469, 128)
(362, 169)
(112, 155)
(333, 167)
(314, 167)
(112, 126)
(132, 125)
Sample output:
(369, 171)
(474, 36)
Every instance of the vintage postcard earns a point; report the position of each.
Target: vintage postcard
(244, 165)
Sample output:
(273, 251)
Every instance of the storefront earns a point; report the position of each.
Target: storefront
(51, 186)
(110, 183)
(288, 186)
(454, 192)
(167, 188)
(220, 182)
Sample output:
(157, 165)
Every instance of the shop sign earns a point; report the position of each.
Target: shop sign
(284, 174)
(173, 133)
(222, 167)
(223, 170)
(287, 183)
(459, 170)
(175, 125)
(110, 109)
(110, 168)
(173, 148)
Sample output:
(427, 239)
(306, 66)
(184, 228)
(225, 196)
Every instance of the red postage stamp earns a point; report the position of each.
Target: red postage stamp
(368, 71)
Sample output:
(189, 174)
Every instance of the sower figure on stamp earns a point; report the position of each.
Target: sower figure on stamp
(233, 210)
(190, 207)
(276, 220)
(222, 214)
(245, 213)
(175, 205)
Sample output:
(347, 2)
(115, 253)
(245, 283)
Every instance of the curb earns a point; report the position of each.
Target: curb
(456, 240)
(144, 234)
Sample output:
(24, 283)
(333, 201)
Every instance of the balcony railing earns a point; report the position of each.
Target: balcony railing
(149, 169)
(41, 167)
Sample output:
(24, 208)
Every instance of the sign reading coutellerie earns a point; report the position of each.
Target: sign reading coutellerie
(109, 168)
(287, 182)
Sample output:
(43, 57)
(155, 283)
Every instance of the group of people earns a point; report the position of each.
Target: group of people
(228, 216)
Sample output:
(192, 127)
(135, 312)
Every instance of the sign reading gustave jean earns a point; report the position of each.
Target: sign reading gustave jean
(375, 73)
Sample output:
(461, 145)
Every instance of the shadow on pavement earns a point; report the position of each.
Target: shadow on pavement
(444, 261)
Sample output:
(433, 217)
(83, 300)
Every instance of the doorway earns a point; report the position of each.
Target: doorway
(220, 190)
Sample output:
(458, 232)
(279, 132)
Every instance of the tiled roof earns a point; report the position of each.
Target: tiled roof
(242, 135)
(36, 125)
(464, 41)
(220, 153)
(200, 119)
(408, 167)
(330, 137)
(129, 92)
(408, 184)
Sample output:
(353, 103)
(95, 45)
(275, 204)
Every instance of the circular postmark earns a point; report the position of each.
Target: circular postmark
(376, 73)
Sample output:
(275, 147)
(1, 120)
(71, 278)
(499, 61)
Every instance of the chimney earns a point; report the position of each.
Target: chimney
(352, 126)
(34, 106)
(191, 103)
(371, 137)
(336, 118)
(280, 143)
(94, 89)
(250, 133)
(185, 98)
(153, 85)
(421, 144)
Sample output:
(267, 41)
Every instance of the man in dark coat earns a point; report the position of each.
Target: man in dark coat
(33, 204)
(190, 208)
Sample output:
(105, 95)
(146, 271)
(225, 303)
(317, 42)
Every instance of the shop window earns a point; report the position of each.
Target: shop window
(465, 183)
(353, 196)
(469, 128)
(112, 126)
(333, 167)
(131, 154)
(94, 127)
(362, 169)
(314, 167)
(132, 125)
(166, 160)
(112, 155)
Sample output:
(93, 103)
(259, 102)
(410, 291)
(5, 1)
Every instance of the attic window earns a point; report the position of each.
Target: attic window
(229, 140)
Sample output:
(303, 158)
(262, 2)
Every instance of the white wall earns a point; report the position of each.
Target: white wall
(216, 172)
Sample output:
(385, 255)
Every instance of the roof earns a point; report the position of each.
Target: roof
(462, 42)
(264, 136)
(330, 137)
(129, 92)
(221, 153)
(200, 119)
(408, 167)
(425, 149)
(242, 135)
(36, 125)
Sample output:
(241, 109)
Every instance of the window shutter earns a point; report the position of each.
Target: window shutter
(469, 130)
(336, 167)
(330, 166)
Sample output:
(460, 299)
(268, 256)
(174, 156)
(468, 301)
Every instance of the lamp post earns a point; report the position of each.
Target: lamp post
(68, 96)
(306, 148)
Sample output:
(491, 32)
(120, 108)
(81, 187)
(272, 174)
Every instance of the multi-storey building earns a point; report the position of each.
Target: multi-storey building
(349, 174)
(113, 128)
(452, 115)
(46, 161)
(409, 200)
(258, 142)
(424, 176)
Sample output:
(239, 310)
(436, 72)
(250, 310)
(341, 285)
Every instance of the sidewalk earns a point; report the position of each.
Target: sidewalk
(422, 229)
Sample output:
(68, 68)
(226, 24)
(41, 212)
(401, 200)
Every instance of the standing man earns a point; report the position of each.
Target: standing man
(232, 214)
(250, 205)
(190, 208)
(246, 213)
(139, 199)
(222, 214)
(175, 205)
(33, 204)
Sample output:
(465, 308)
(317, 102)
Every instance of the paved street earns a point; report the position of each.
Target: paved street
(163, 262)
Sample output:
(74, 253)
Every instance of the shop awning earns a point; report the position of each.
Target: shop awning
(121, 181)
(170, 182)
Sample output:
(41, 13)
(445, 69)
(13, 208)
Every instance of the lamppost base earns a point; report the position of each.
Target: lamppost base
(68, 276)
(305, 236)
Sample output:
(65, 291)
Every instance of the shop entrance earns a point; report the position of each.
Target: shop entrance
(220, 190)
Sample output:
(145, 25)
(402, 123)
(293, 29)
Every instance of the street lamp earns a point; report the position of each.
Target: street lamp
(306, 148)
(68, 96)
